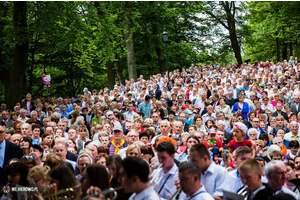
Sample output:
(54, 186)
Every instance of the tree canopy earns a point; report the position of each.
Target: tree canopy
(96, 44)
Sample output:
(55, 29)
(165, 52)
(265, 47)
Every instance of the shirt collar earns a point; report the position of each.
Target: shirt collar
(144, 193)
(211, 168)
(256, 191)
(173, 170)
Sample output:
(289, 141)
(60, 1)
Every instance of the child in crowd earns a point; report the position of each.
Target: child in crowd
(239, 132)
(213, 144)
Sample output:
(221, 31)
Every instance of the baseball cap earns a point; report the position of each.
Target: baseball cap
(188, 111)
(183, 107)
(117, 127)
(212, 131)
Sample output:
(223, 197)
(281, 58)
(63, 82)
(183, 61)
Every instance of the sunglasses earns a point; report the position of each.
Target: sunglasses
(29, 157)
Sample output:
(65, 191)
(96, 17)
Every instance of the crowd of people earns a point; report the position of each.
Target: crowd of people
(204, 132)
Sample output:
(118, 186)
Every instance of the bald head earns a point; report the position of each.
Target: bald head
(26, 130)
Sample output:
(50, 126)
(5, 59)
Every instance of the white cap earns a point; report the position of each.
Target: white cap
(241, 126)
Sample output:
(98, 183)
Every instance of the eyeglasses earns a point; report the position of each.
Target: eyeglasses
(2, 132)
(240, 118)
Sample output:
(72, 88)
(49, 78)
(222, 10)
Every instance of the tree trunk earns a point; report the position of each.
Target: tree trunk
(159, 50)
(110, 75)
(109, 65)
(161, 58)
(119, 70)
(235, 46)
(31, 71)
(277, 49)
(291, 49)
(284, 51)
(129, 42)
(232, 30)
(14, 83)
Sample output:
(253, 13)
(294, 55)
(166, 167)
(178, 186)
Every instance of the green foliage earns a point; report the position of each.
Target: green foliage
(73, 41)
(268, 21)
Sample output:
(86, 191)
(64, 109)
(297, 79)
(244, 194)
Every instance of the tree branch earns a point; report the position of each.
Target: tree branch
(222, 23)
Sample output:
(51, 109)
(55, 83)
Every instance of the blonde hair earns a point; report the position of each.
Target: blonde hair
(259, 142)
(138, 119)
(85, 151)
(252, 165)
(133, 146)
(40, 171)
(185, 134)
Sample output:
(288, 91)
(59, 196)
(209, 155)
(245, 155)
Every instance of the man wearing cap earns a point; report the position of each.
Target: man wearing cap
(118, 142)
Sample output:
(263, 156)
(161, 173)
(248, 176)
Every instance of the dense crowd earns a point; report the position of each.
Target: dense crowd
(204, 132)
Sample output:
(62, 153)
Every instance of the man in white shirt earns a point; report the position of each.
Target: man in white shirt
(164, 130)
(189, 176)
(214, 177)
(276, 174)
(168, 171)
(134, 176)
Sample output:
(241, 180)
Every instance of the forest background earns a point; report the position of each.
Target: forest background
(96, 44)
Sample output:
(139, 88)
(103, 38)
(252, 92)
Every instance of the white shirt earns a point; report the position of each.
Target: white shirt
(146, 194)
(201, 194)
(122, 153)
(286, 191)
(234, 92)
(23, 120)
(166, 186)
(215, 179)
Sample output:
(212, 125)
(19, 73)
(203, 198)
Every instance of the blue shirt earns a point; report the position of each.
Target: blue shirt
(2, 153)
(236, 182)
(69, 108)
(66, 115)
(144, 108)
(129, 115)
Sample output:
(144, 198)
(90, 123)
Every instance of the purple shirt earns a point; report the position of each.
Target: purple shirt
(112, 148)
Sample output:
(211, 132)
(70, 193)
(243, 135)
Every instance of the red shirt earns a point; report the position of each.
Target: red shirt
(234, 144)
(219, 144)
